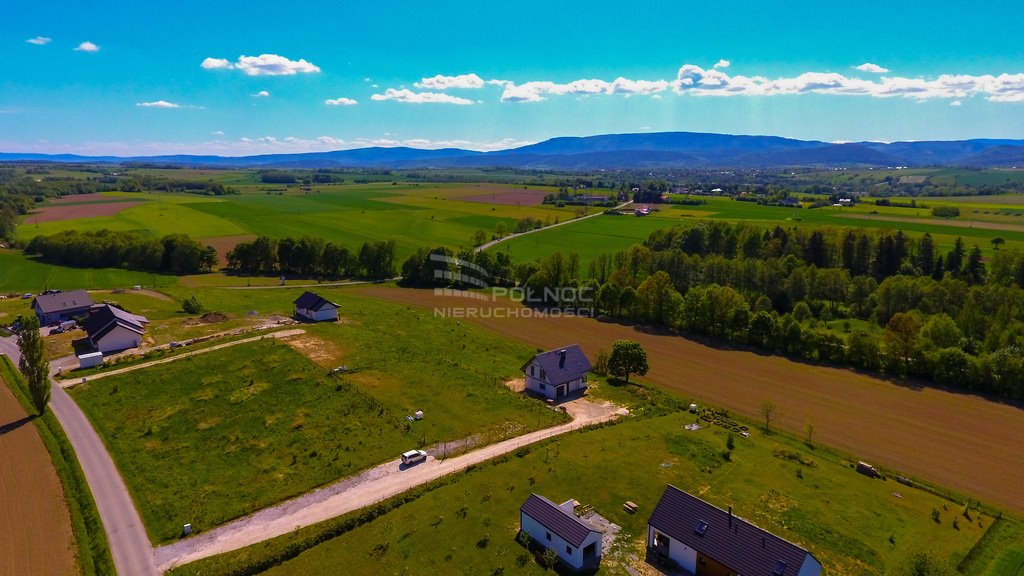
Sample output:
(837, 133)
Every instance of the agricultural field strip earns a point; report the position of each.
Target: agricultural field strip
(71, 382)
(483, 247)
(353, 493)
(984, 225)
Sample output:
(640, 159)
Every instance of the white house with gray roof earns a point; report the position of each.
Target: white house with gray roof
(557, 373)
(557, 528)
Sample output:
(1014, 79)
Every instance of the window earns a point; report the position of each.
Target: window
(548, 536)
(568, 549)
(700, 528)
(531, 370)
(543, 375)
(543, 387)
(780, 568)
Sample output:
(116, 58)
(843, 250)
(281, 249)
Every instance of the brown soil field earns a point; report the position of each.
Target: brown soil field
(506, 196)
(73, 212)
(225, 244)
(80, 198)
(323, 352)
(958, 441)
(36, 537)
(942, 222)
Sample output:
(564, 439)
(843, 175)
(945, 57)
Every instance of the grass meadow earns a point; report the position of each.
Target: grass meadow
(203, 445)
(853, 524)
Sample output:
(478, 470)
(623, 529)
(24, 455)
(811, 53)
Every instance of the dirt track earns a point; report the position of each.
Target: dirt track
(958, 441)
(36, 537)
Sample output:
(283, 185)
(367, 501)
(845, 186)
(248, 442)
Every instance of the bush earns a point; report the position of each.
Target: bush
(192, 305)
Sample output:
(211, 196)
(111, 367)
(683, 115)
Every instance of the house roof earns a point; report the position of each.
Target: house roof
(62, 301)
(736, 543)
(312, 301)
(561, 369)
(102, 319)
(558, 520)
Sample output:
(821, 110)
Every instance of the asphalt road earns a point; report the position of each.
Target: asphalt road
(129, 544)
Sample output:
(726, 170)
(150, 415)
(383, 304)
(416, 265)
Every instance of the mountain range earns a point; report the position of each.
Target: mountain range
(616, 151)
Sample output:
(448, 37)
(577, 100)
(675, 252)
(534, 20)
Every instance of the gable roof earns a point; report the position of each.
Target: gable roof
(62, 301)
(559, 521)
(560, 370)
(312, 301)
(741, 546)
(105, 318)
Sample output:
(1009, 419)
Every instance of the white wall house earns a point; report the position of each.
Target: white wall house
(557, 528)
(703, 539)
(557, 373)
(315, 308)
(111, 329)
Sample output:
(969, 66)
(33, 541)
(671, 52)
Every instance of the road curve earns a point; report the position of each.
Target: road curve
(129, 544)
(351, 494)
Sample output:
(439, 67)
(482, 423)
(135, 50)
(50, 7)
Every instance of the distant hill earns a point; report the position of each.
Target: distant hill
(617, 151)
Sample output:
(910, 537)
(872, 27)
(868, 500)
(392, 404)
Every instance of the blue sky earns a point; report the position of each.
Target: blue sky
(241, 77)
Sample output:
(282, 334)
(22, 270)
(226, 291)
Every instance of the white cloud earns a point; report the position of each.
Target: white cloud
(956, 103)
(39, 40)
(535, 91)
(873, 68)
(262, 94)
(341, 102)
(158, 104)
(405, 95)
(723, 63)
(216, 64)
(217, 133)
(262, 65)
(87, 47)
(440, 82)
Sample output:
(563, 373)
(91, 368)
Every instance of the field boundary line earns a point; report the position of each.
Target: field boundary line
(487, 245)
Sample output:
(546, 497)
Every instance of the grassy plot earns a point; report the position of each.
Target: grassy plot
(211, 437)
(853, 524)
(201, 444)
(19, 273)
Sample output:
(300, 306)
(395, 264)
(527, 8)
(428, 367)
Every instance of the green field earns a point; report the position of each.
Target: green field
(853, 524)
(199, 444)
(21, 274)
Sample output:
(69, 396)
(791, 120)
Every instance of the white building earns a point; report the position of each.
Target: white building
(315, 308)
(557, 528)
(111, 329)
(557, 373)
(706, 540)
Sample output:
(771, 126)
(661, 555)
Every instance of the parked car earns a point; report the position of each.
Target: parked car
(413, 457)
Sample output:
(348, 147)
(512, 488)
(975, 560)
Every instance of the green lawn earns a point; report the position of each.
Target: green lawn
(201, 444)
(467, 525)
(21, 274)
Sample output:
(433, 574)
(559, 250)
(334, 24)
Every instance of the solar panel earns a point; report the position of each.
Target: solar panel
(780, 568)
(701, 528)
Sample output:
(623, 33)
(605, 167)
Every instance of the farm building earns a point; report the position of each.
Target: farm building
(557, 373)
(111, 329)
(60, 306)
(706, 540)
(315, 308)
(556, 527)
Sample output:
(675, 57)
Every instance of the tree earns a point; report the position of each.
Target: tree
(997, 242)
(809, 432)
(921, 564)
(33, 363)
(627, 357)
(901, 336)
(478, 238)
(767, 412)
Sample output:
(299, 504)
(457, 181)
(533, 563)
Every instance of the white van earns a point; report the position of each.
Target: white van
(413, 457)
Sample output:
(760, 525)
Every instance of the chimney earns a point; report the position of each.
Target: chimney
(730, 515)
(561, 358)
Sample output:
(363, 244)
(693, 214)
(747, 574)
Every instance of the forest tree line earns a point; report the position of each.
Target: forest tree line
(878, 301)
(172, 254)
(308, 256)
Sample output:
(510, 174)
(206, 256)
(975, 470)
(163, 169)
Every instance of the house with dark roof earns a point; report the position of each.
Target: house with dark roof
(557, 528)
(557, 373)
(111, 329)
(315, 308)
(708, 541)
(60, 306)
